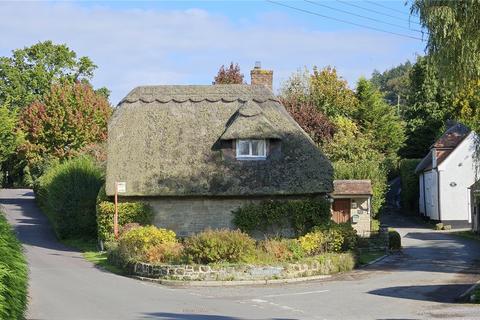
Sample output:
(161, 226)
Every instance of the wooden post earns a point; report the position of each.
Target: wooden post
(115, 216)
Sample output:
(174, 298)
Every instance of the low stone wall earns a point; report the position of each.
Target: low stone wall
(228, 273)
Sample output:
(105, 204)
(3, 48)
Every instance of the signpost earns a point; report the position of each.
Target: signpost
(120, 187)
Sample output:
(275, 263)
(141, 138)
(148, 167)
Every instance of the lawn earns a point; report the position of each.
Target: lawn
(90, 253)
(364, 258)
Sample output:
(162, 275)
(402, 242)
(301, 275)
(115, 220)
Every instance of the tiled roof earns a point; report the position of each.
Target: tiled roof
(352, 187)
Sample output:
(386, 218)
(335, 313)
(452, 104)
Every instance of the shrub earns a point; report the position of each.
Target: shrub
(219, 246)
(313, 243)
(333, 237)
(164, 252)
(301, 215)
(13, 275)
(394, 240)
(282, 249)
(67, 194)
(409, 180)
(134, 244)
(439, 226)
(128, 212)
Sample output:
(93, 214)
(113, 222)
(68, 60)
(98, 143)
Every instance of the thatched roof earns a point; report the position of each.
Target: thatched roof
(170, 140)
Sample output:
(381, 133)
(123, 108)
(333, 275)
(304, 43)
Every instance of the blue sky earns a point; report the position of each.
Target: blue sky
(185, 42)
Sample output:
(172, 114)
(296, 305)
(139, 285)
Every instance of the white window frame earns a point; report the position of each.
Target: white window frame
(250, 156)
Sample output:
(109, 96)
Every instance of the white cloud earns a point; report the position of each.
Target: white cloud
(134, 47)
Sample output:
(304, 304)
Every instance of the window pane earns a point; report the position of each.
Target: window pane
(243, 148)
(258, 148)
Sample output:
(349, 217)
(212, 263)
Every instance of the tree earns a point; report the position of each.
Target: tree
(69, 117)
(312, 121)
(380, 121)
(230, 75)
(10, 139)
(30, 72)
(453, 44)
(428, 107)
(394, 83)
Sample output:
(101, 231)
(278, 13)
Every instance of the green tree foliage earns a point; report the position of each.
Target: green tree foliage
(394, 83)
(365, 169)
(409, 180)
(10, 139)
(67, 194)
(13, 274)
(381, 121)
(453, 43)
(30, 72)
(69, 118)
(428, 107)
(230, 75)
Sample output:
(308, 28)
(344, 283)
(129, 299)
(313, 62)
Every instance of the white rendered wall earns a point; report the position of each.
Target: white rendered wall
(457, 174)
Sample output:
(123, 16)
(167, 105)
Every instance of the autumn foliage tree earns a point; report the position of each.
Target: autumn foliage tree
(70, 117)
(312, 121)
(230, 75)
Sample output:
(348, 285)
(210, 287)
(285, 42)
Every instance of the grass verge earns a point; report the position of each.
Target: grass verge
(90, 253)
(368, 256)
(468, 234)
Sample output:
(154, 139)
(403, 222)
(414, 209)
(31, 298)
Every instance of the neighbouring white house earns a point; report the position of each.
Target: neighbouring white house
(446, 175)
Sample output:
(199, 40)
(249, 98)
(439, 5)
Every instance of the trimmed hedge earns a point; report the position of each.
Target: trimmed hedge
(67, 194)
(128, 212)
(300, 215)
(13, 274)
(410, 188)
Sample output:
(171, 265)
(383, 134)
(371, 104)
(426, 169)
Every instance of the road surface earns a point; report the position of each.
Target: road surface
(422, 282)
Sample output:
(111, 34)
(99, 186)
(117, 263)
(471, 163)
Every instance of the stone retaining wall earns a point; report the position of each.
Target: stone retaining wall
(227, 273)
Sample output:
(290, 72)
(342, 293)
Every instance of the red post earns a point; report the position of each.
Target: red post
(115, 216)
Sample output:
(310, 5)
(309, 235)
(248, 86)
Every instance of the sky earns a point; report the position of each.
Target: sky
(185, 42)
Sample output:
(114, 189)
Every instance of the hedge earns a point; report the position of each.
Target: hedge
(128, 212)
(13, 274)
(410, 188)
(365, 169)
(300, 215)
(67, 194)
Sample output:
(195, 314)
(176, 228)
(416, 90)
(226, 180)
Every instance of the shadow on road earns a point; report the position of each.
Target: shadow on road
(187, 316)
(435, 293)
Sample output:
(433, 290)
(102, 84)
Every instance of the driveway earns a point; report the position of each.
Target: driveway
(422, 282)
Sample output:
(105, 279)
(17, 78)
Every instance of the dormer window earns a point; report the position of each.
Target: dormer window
(250, 149)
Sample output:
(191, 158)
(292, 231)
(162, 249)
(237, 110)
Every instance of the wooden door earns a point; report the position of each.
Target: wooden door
(341, 210)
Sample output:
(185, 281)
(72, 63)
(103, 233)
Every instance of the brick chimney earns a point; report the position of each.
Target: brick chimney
(260, 76)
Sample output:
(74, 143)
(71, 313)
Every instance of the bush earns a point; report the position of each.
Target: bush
(213, 246)
(330, 238)
(67, 194)
(331, 263)
(135, 244)
(301, 215)
(409, 180)
(128, 212)
(165, 252)
(13, 275)
(394, 240)
(281, 250)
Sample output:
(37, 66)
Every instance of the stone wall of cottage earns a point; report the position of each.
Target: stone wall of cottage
(362, 226)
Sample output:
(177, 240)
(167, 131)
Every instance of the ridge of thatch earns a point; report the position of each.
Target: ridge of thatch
(167, 141)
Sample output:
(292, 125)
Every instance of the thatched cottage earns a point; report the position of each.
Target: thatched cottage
(195, 153)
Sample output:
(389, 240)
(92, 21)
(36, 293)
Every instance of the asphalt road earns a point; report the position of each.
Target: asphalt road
(422, 282)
